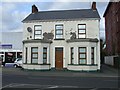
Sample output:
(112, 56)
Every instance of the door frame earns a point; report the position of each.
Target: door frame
(63, 55)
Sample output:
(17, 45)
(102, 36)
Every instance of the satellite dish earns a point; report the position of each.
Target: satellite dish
(29, 29)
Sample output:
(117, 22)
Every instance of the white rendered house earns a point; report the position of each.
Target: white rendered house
(65, 39)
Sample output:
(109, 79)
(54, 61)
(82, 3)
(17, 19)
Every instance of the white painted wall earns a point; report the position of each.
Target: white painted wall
(92, 31)
(92, 28)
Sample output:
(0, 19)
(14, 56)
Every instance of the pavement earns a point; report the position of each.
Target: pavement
(106, 71)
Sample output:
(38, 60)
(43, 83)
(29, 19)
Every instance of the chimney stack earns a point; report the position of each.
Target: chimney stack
(93, 6)
(34, 9)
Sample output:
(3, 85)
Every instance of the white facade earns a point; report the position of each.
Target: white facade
(91, 35)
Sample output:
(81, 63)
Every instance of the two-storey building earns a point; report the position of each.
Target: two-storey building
(62, 39)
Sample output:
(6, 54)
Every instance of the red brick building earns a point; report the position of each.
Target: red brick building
(112, 28)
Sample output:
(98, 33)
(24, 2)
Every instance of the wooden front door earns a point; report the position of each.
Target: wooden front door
(59, 58)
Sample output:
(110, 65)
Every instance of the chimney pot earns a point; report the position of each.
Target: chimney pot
(93, 5)
(34, 9)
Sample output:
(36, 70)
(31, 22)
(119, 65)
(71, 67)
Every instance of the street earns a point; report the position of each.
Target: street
(17, 78)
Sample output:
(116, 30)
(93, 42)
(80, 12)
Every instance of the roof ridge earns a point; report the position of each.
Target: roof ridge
(64, 10)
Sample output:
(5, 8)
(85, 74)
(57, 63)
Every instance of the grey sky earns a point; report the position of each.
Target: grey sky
(14, 12)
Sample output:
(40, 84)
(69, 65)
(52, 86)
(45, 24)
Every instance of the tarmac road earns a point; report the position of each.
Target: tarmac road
(14, 78)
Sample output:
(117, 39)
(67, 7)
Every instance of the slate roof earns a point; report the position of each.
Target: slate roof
(63, 15)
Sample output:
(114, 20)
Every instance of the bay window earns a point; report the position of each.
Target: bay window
(44, 55)
(92, 55)
(72, 55)
(34, 55)
(82, 55)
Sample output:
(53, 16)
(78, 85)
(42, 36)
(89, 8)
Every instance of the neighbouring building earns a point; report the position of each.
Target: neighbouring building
(112, 29)
(63, 39)
(10, 46)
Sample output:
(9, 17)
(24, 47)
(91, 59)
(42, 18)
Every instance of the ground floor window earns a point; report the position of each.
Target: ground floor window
(1, 56)
(34, 55)
(82, 55)
(92, 55)
(26, 50)
(44, 55)
(10, 57)
(19, 54)
(72, 55)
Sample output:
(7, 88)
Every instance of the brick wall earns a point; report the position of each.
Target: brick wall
(112, 28)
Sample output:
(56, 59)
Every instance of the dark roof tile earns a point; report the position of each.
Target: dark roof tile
(63, 14)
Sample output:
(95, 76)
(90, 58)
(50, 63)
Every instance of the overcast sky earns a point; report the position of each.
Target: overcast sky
(14, 11)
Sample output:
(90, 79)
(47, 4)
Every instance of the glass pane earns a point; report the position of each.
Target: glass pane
(81, 31)
(37, 36)
(59, 32)
(38, 27)
(34, 49)
(82, 61)
(44, 60)
(72, 51)
(44, 55)
(82, 36)
(38, 32)
(59, 36)
(92, 56)
(44, 49)
(82, 56)
(58, 49)
(72, 55)
(81, 26)
(34, 60)
(59, 26)
(34, 55)
(82, 50)
(72, 61)
(92, 49)
(92, 61)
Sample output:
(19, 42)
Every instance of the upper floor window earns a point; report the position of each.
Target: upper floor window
(81, 30)
(59, 31)
(38, 32)
(82, 55)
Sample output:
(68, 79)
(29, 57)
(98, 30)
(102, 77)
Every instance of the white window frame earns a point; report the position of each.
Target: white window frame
(38, 35)
(82, 31)
(59, 33)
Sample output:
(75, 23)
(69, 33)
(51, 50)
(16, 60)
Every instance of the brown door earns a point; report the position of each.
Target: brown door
(59, 58)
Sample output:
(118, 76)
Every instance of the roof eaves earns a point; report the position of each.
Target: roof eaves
(26, 18)
(26, 21)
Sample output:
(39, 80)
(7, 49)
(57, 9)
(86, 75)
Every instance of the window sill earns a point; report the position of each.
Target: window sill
(60, 39)
(83, 64)
(36, 39)
(35, 64)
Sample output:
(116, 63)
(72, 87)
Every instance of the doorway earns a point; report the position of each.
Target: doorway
(59, 58)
